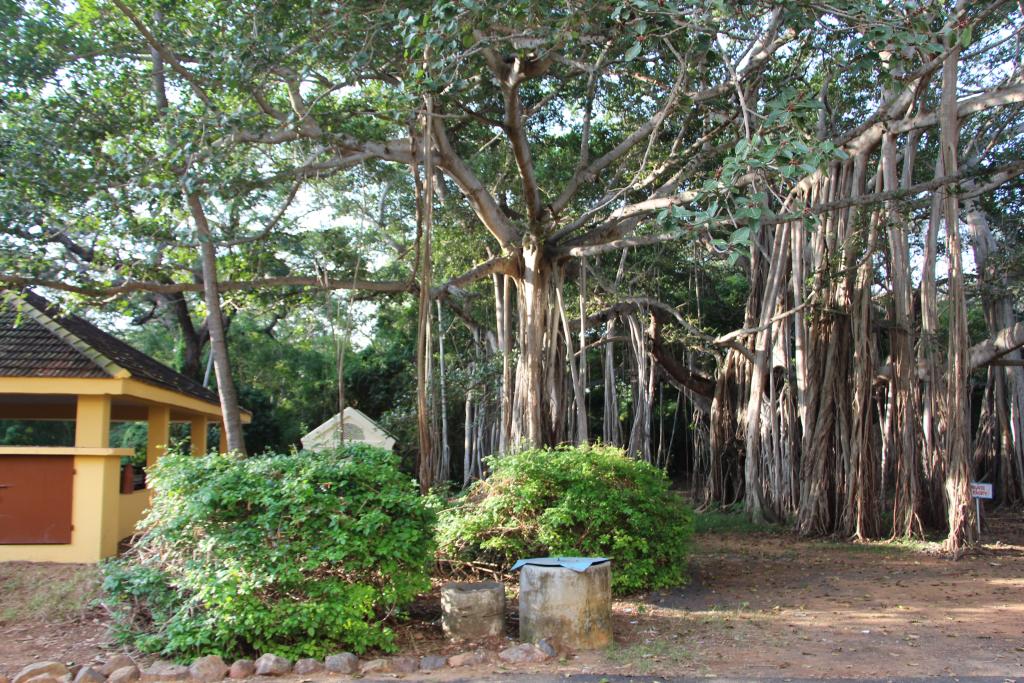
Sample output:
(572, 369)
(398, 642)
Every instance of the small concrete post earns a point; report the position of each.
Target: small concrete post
(572, 607)
(473, 610)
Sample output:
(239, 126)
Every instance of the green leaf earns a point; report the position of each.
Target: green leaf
(965, 36)
(740, 236)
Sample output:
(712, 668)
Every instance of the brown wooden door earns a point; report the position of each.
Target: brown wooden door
(35, 498)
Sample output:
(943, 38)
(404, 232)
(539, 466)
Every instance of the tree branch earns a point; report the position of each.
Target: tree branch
(129, 286)
(591, 172)
(1013, 94)
(1000, 173)
(508, 265)
(165, 53)
(1005, 341)
(486, 209)
(509, 77)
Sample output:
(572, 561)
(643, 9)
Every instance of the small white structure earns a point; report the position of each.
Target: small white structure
(358, 429)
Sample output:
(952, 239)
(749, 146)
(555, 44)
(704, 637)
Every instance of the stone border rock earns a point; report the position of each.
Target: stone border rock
(211, 669)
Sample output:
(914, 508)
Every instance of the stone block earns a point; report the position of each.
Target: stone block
(474, 658)
(126, 674)
(54, 669)
(433, 662)
(165, 672)
(87, 674)
(471, 611)
(307, 666)
(342, 663)
(524, 653)
(403, 665)
(242, 668)
(209, 669)
(45, 678)
(114, 663)
(553, 647)
(272, 665)
(375, 666)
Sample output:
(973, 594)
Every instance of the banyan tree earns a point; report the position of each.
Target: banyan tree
(574, 175)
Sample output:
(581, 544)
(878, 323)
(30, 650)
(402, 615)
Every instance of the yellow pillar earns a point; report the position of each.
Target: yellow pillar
(198, 435)
(222, 446)
(159, 427)
(95, 491)
(92, 422)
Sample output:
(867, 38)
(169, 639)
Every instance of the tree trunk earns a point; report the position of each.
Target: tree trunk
(468, 442)
(531, 420)
(959, 508)
(1009, 381)
(218, 342)
(575, 367)
(503, 323)
(231, 413)
(932, 388)
(611, 430)
(643, 394)
(753, 500)
(904, 382)
(724, 475)
(826, 442)
(445, 464)
(862, 510)
(193, 340)
(428, 457)
(582, 362)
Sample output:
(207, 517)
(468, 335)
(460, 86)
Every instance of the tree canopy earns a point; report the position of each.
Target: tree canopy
(742, 201)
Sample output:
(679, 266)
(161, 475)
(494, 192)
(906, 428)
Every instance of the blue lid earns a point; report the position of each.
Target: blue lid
(577, 564)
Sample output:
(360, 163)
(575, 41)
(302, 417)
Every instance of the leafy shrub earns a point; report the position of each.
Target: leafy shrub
(588, 501)
(295, 554)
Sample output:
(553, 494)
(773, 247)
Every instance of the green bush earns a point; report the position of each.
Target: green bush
(298, 554)
(591, 501)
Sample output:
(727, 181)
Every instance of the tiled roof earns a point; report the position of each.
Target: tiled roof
(39, 341)
(28, 349)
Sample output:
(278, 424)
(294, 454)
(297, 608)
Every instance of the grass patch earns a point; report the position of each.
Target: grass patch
(646, 657)
(917, 545)
(727, 520)
(889, 547)
(46, 592)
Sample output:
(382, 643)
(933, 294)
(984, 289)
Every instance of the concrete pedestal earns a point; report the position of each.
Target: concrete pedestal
(471, 611)
(572, 607)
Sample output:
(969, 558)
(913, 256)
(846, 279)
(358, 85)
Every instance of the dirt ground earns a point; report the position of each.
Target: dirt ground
(772, 605)
(759, 605)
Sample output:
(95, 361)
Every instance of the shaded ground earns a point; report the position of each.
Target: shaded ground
(771, 605)
(760, 605)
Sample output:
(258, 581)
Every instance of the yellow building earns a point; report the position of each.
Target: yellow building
(64, 503)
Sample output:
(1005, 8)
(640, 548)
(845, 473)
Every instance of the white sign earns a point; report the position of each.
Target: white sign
(979, 490)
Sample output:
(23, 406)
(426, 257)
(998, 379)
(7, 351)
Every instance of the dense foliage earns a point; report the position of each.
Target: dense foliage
(719, 234)
(296, 554)
(591, 501)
